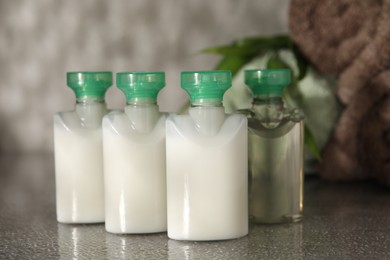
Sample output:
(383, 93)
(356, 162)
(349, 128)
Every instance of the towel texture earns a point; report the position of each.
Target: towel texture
(350, 39)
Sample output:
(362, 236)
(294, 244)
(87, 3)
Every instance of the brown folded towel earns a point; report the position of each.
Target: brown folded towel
(351, 40)
(332, 33)
(375, 147)
(360, 145)
(372, 60)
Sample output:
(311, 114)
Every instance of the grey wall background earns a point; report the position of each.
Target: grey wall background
(41, 40)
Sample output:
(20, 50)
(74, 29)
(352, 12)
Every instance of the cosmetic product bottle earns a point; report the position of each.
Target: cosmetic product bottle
(78, 150)
(275, 150)
(207, 163)
(134, 157)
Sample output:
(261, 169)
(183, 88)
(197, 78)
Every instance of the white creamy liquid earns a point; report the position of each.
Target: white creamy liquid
(207, 179)
(134, 170)
(79, 164)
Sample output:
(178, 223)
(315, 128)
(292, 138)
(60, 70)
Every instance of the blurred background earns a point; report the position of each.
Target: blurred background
(41, 40)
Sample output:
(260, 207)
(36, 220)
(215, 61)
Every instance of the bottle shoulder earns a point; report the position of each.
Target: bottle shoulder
(115, 117)
(139, 128)
(236, 119)
(282, 128)
(87, 116)
(72, 121)
(183, 127)
(272, 116)
(120, 114)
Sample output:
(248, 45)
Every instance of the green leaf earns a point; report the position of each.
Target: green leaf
(302, 63)
(233, 63)
(252, 46)
(311, 143)
(234, 50)
(273, 42)
(275, 62)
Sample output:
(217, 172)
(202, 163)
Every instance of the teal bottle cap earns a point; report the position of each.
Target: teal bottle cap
(206, 85)
(89, 84)
(140, 85)
(267, 81)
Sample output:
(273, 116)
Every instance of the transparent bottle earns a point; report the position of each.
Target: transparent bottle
(134, 157)
(78, 150)
(275, 150)
(207, 180)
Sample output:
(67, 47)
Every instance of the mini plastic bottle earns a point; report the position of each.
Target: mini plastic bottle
(78, 150)
(134, 157)
(207, 186)
(275, 150)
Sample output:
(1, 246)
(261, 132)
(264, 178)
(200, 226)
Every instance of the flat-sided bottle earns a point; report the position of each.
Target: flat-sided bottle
(275, 150)
(207, 180)
(78, 150)
(134, 157)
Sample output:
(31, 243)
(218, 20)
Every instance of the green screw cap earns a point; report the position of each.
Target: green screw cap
(89, 84)
(140, 85)
(206, 85)
(267, 81)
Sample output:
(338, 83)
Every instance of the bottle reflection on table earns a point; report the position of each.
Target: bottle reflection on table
(81, 242)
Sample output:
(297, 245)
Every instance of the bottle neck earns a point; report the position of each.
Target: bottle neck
(266, 100)
(141, 102)
(91, 111)
(89, 100)
(206, 103)
(208, 117)
(143, 114)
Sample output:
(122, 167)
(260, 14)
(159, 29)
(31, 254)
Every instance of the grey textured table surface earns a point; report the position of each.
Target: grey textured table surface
(341, 221)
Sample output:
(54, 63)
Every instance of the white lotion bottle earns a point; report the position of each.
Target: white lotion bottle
(78, 150)
(207, 179)
(134, 158)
